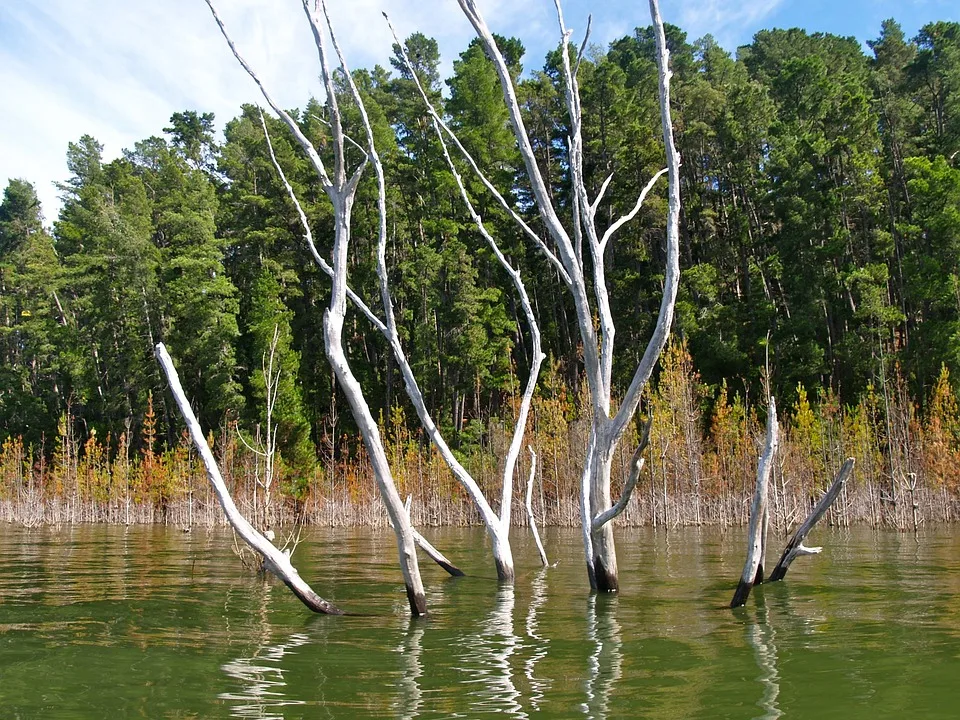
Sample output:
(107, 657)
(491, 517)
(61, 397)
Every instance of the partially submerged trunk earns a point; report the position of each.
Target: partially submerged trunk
(341, 190)
(274, 559)
(756, 534)
(583, 272)
(795, 547)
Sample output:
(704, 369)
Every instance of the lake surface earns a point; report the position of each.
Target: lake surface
(156, 623)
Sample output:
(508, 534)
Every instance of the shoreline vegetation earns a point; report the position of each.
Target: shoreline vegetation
(818, 260)
(699, 471)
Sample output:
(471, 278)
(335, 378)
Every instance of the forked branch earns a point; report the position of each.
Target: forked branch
(636, 466)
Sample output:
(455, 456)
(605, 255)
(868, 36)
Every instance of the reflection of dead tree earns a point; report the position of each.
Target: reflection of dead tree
(493, 648)
(260, 674)
(411, 650)
(538, 687)
(275, 560)
(761, 638)
(262, 679)
(606, 660)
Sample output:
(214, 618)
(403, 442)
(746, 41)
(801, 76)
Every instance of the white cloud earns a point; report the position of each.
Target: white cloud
(117, 69)
(724, 19)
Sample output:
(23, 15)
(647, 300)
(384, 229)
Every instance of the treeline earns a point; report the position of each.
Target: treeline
(700, 468)
(821, 240)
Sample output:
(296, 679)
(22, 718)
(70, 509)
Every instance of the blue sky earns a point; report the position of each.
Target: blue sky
(117, 69)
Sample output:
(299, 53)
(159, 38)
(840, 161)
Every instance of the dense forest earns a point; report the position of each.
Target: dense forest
(820, 255)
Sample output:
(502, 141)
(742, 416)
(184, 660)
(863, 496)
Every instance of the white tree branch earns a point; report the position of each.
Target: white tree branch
(438, 557)
(538, 356)
(305, 143)
(491, 188)
(672, 280)
(531, 518)
(630, 215)
(308, 234)
(274, 559)
(795, 546)
(636, 466)
(548, 214)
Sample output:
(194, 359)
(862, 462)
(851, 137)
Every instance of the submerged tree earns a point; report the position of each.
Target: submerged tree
(341, 189)
(584, 271)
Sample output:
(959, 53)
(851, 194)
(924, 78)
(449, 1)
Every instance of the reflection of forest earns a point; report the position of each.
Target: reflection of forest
(157, 609)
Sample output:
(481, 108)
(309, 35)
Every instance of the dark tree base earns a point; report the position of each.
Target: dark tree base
(504, 574)
(418, 603)
(315, 602)
(741, 595)
(604, 581)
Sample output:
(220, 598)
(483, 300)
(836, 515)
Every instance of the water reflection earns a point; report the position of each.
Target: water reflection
(263, 687)
(493, 648)
(181, 633)
(761, 637)
(605, 663)
(411, 649)
(539, 645)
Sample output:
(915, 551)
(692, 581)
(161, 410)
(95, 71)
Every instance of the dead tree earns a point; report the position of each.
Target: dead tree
(341, 190)
(274, 560)
(759, 518)
(531, 518)
(795, 547)
(497, 524)
(759, 515)
(581, 272)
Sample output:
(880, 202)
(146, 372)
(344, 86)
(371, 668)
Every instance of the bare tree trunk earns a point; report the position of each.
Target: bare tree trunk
(273, 559)
(594, 318)
(341, 191)
(531, 518)
(795, 546)
(756, 533)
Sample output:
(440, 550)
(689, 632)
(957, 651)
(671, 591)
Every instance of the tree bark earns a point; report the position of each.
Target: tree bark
(758, 511)
(795, 546)
(273, 559)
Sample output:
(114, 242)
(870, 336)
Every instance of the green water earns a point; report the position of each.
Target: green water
(154, 623)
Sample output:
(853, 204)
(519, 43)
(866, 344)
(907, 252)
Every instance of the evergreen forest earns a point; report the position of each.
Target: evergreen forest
(820, 256)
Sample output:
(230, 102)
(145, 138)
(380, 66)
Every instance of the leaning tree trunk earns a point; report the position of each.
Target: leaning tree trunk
(341, 190)
(275, 560)
(795, 547)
